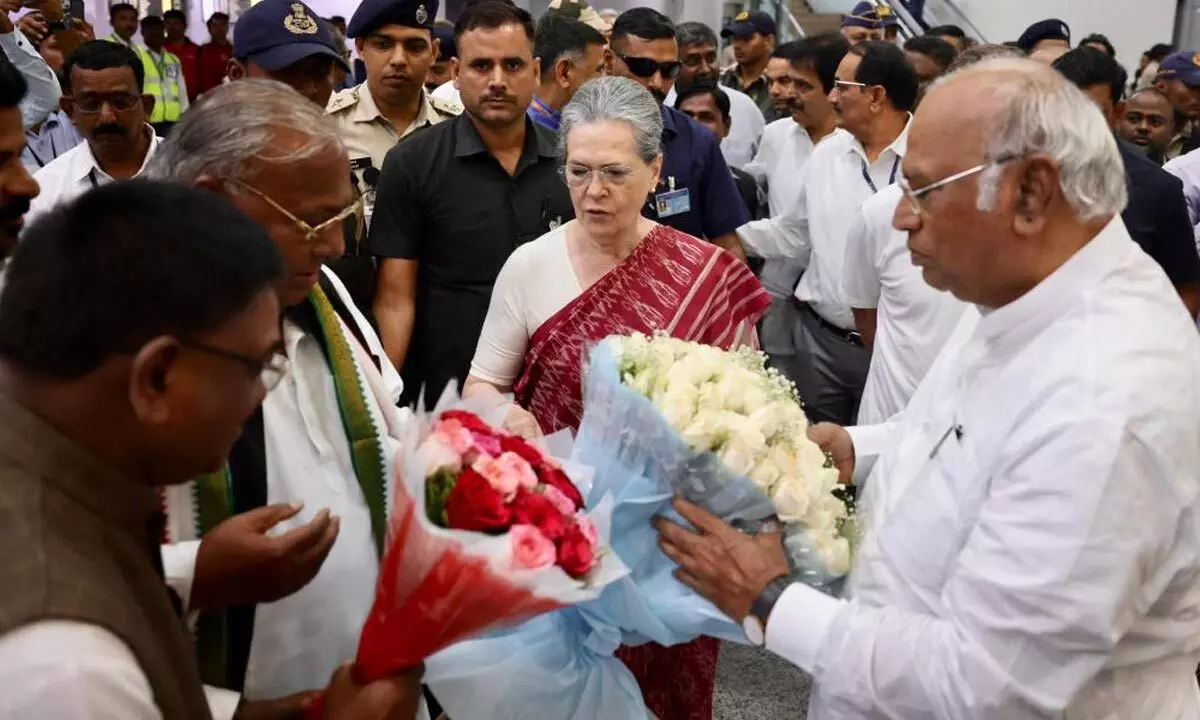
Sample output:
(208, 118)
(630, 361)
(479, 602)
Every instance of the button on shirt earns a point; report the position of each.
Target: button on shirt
(56, 136)
(447, 203)
(74, 173)
(692, 161)
(745, 128)
(812, 230)
(913, 320)
(1041, 560)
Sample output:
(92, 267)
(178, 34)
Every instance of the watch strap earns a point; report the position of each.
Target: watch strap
(765, 602)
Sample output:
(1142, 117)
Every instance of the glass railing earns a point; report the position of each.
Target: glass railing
(930, 13)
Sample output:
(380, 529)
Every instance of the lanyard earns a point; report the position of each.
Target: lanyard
(92, 178)
(867, 175)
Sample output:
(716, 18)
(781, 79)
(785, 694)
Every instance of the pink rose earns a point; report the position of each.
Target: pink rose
(486, 444)
(531, 549)
(587, 528)
(507, 473)
(439, 455)
(561, 502)
(454, 435)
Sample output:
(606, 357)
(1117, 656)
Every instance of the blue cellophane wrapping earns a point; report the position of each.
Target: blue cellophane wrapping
(561, 665)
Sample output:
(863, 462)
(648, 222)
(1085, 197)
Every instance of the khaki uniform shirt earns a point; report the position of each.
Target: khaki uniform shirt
(367, 133)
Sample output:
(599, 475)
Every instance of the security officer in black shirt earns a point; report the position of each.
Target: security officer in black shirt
(457, 198)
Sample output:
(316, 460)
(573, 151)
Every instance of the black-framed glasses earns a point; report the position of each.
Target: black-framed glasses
(269, 371)
(645, 67)
(92, 104)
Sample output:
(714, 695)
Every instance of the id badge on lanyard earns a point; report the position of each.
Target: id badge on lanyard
(867, 174)
(673, 202)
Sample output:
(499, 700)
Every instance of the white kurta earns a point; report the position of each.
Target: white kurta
(912, 319)
(300, 640)
(1040, 554)
(835, 182)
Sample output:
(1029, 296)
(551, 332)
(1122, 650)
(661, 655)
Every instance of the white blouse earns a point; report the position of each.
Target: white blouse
(535, 283)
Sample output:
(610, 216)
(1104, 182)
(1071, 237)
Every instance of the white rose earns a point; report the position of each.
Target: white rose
(677, 405)
(765, 474)
(792, 499)
(439, 456)
(701, 432)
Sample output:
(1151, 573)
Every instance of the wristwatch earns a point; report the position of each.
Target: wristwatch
(755, 624)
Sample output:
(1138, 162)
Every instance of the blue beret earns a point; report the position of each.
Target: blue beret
(746, 24)
(274, 34)
(1045, 30)
(374, 14)
(863, 15)
(1181, 66)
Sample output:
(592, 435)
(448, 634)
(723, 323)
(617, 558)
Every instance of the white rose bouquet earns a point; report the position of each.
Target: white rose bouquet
(730, 404)
(662, 417)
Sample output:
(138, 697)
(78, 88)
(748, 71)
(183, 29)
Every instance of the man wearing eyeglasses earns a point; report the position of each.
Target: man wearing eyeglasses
(1031, 552)
(111, 113)
(875, 88)
(696, 192)
(280, 611)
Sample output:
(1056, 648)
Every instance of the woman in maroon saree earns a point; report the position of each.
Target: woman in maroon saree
(612, 272)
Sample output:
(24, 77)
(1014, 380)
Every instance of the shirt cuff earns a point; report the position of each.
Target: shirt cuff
(799, 624)
(179, 568)
(222, 703)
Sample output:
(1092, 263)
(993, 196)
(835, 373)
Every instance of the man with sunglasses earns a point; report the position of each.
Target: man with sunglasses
(696, 192)
(315, 460)
(110, 111)
(875, 88)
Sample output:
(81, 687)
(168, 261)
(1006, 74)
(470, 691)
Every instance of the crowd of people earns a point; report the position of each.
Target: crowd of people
(234, 268)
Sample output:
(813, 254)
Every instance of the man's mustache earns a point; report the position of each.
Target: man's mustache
(110, 129)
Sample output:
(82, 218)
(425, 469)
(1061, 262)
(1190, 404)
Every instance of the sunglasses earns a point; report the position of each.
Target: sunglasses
(645, 67)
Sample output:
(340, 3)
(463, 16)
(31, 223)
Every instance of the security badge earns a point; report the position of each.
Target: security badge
(299, 23)
(673, 202)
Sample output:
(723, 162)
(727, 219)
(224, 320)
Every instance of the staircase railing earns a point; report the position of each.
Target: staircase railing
(789, 27)
(940, 12)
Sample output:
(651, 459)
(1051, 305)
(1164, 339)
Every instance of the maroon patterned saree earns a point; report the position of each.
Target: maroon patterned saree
(689, 289)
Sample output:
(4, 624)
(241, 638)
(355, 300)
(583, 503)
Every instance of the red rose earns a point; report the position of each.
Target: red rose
(474, 504)
(556, 478)
(530, 454)
(533, 509)
(576, 555)
(470, 421)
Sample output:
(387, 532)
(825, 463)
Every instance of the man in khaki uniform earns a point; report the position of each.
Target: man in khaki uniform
(395, 40)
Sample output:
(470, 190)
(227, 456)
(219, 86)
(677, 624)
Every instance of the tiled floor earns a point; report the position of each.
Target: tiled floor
(753, 684)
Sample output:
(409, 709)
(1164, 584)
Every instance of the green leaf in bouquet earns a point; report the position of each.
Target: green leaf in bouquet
(437, 490)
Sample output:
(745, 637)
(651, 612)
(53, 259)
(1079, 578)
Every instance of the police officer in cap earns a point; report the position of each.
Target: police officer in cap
(285, 40)
(395, 40)
(862, 24)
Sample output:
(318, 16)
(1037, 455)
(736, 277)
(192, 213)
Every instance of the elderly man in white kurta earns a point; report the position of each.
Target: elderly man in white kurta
(1039, 555)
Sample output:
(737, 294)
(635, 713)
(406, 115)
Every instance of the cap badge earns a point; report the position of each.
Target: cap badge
(422, 15)
(883, 11)
(1064, 30)
(742, 17)
(1196, 59)
(299, 22)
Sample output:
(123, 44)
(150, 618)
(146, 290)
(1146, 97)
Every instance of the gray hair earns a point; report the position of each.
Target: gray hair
(1037, 111)
(620, 99)
(695, 33)
(975, 54)
(237, 125)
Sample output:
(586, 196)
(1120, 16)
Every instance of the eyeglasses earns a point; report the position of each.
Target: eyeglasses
(914, 195)
(313, 233)
(645, 67)
(269, 371)
(843, 84)
(91, 104)
(580, 176)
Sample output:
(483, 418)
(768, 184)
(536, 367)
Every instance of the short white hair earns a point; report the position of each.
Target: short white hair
(1036, 110)
(237, 125)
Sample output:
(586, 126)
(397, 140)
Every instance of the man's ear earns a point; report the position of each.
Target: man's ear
(235, 71)
(1038, 185)
(562, 72)
(148, 104)
(149, 379)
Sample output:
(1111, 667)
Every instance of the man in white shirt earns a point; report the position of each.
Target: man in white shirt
(698, 63)
(110, 112)
(874, 90)
(801, 91)
(44, 92)
(150, 370)
(308, 445)
(1038, 556)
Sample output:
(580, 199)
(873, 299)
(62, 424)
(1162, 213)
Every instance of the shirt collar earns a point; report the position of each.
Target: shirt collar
(544, 109)
(537, 140)
(366, 111)
(87, 161)
(1028, 314)
(899, 146)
